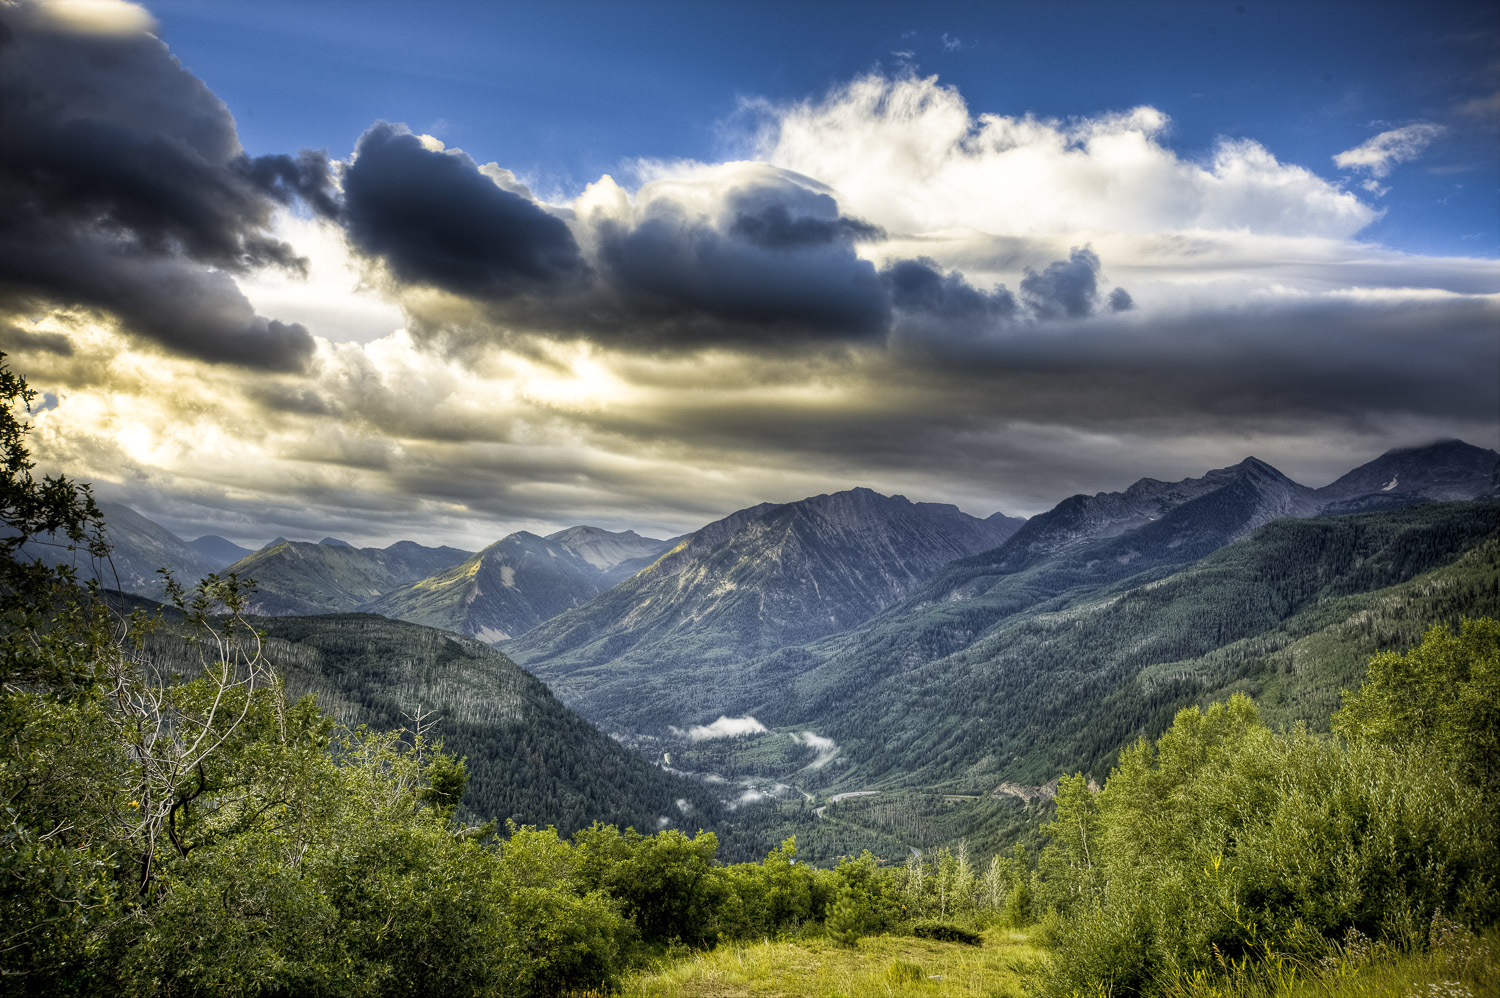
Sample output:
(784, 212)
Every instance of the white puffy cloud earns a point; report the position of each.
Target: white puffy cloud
(97, 17)
(1379, 155)
(908, 154)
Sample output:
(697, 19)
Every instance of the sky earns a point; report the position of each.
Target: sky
(442, 271)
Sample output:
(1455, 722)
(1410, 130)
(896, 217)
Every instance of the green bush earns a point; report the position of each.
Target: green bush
(945, 932)
(1226, 843)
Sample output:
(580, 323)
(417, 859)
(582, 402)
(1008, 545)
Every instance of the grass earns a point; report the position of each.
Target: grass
(817, 968)
(1458, 964)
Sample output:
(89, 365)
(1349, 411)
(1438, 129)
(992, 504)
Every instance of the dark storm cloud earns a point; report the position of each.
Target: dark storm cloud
(14, 339)
(436, 220)
(689, 283)
(749, 256)
(115, 160)
(189, 309)
(1120, 301)
(924, 296)
(1065, 288)
(773, 226)
(1291, 369)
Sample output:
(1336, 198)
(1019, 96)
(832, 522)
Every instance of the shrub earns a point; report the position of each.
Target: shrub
(945, 932)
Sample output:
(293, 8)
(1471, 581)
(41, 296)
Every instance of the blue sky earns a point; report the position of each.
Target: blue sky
(562, 92)
(442, 271)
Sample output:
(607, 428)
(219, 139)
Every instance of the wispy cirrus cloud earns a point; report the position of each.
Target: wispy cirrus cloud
(1380, 154)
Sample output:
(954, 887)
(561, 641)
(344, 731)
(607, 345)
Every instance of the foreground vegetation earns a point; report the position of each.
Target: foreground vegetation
(888, 964)
(178, 825)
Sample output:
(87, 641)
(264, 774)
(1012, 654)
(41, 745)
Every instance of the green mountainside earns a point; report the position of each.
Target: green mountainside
(298, 577)
(970, 745)
(1289, 614)
(529, 757)
(686, 641)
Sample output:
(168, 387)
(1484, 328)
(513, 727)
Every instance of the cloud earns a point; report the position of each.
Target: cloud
(1066, 288)
(931, 300)
(735, 255)
(907, 296)
(906, 154)
(1484, 108)
(97, 17)
(826, 748)
(435, 219)
(739, 254)
(1380, 154)
(123, 188)
(724, 727)
(1119, 300)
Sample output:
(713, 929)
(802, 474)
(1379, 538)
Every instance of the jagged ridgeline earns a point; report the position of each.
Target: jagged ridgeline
(529, 757)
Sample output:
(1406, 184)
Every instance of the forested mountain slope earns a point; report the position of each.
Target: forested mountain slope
(760, 579)
(1289, 613)
(1080, 545)
(529, 757)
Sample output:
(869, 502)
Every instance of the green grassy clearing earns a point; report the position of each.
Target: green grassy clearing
(817, 968)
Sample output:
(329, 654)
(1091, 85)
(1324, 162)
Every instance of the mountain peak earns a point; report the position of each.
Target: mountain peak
(1440, 471)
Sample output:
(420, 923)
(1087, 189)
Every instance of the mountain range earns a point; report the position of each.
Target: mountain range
(699, 634)
(760, 579)
(857, 641)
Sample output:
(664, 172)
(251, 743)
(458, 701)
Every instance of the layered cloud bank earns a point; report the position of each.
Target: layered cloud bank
(887, 288)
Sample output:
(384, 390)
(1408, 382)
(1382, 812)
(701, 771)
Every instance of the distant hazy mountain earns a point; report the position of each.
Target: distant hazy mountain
(139, 547)
(298, 577)
(1449, 469)
(504, 590)
(759, 579)
(618, 556)
(218, 551)
(335, 542)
